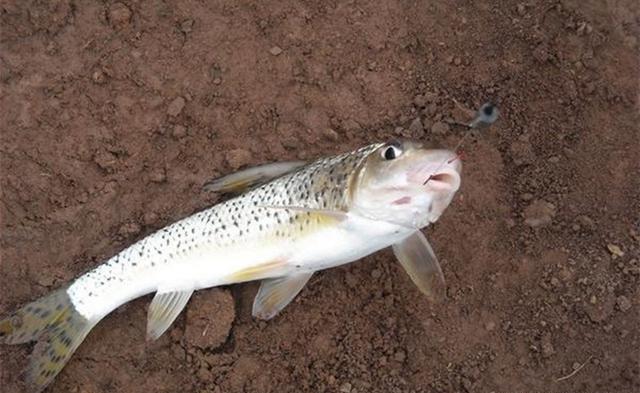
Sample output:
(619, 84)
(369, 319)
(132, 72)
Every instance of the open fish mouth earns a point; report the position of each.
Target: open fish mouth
(444, 181)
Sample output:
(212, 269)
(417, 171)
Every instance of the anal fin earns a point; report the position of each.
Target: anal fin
(275, 293)
(163, 310)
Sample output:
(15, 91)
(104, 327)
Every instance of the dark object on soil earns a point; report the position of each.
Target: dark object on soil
(486, 115)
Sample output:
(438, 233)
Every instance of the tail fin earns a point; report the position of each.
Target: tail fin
(57, 327)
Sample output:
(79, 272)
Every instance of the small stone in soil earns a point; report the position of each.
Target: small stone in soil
(237, 158)
(615, 250)
(158, 175)
(623, 303)
(176, 106)
(440, 128)
(119, 15)
(129, 229)
(276, 50)
(539, 214)
(416, 127)
(179, 131)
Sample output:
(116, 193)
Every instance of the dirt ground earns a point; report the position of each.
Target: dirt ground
(115, 114)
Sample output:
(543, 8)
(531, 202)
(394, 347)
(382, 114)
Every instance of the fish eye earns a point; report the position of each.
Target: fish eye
(391, 152)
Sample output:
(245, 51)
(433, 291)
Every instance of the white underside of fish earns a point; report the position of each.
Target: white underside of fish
(210, 265)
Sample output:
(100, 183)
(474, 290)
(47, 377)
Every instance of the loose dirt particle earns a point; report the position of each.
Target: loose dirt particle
(416, 129)
(119, 15)
(129, 229)
(176, 106)
(539, 214)
(179, 131)
(615, 250)
(276, 50)
(623, 303)
(237, 158)
(440, 128)
(158, 175)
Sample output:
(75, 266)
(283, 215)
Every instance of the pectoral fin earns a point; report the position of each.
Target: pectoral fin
(276, 293)
(164, 309)
(241, 181)
(416, 256)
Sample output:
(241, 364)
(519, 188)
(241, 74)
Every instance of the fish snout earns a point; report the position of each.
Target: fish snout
(442, 173)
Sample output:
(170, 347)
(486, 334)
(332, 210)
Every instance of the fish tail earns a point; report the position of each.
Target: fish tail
(58, 330)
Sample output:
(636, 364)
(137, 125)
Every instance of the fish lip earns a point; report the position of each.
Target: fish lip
(442, 182)
(446, 178)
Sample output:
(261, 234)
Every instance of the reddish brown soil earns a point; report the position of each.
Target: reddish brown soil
(115, 114)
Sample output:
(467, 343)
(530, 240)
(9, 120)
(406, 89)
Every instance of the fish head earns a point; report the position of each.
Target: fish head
(404, 183)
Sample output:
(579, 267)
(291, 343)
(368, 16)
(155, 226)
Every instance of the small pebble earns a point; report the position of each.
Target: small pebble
(586, 222)
(99, 77)
(158, 175)
(119, 15)
(186, 26)
(539, 214)
(179, 131)
(623, 303)
(237, 158)
(615, 250)
(420, 101)
(276, 51)
(416, 128)
(526, 196)
(176, 106)
(440, 128)
(331, 134)
(149, 218)
(129, 229)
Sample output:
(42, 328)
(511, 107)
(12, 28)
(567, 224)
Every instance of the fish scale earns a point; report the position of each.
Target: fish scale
(296, 220)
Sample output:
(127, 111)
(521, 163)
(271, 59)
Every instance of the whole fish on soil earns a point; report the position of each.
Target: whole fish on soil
(289, 220)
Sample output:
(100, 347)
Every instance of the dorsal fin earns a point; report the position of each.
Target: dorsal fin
(241, 181)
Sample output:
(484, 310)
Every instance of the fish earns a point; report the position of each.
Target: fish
(282, 223)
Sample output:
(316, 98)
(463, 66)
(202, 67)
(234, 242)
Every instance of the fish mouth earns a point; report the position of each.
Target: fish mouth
(443, 180)
(439, 172)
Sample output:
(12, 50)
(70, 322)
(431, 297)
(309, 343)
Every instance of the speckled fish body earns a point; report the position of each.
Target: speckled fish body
(250, 237)
(308, 218)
